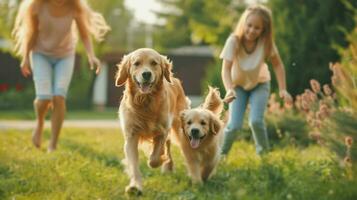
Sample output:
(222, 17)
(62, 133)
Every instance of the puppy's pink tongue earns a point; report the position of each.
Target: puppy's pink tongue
(195, 143)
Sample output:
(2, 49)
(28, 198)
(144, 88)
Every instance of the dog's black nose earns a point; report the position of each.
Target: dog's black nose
(146, 75)
(195, 133)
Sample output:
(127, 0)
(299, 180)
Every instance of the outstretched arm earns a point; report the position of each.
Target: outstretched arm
(227, 81)
(279, 70)
(87, 42)
(25, 64)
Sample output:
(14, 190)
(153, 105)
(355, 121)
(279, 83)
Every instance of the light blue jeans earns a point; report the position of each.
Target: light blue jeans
(258, 99)
(51, 76)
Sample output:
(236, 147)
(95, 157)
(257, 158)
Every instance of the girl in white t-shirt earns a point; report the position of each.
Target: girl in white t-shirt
(246, 77)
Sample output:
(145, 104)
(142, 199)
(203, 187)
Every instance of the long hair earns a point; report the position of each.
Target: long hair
(94, 21)
(24, 29)
(267, 34)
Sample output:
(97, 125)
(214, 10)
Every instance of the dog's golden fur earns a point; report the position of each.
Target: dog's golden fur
(202, 137)
(149, 110)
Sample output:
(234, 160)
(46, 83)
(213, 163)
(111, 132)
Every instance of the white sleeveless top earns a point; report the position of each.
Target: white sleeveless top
(56, 37)
(248, 69)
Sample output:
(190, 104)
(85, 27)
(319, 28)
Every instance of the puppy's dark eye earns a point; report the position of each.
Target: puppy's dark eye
(189, 122)
(137, 63)
(153, 63)
(203, 123)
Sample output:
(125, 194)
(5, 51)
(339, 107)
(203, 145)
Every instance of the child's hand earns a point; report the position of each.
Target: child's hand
(25, 69)
(230, 96)
(94, 63)
(286, 97)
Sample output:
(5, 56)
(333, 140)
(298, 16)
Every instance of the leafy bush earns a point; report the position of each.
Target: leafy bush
(339, 133)
(285, 125)
(79, 93)
(17, 98)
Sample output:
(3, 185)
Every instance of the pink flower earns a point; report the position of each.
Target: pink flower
(327, 90)
(4, 87)
(348, 141)
(324, 110)
(315, 86)
(348, 161)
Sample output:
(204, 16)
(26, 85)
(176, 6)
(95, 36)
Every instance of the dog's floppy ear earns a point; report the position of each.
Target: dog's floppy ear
(213, 101)
(166, 66)
(123, 71)
(215, 125)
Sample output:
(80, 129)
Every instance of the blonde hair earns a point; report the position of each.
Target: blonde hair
(23, 30)
(267, 34)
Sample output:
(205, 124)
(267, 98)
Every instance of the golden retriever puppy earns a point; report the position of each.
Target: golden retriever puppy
(202, 137)
(149, 109)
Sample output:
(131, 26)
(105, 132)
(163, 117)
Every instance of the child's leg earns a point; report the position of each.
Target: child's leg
(42, 75)
(62, 77)
(236, 115)
(258, 102)
(41, 108)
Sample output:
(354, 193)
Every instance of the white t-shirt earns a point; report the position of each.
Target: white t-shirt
(248, 69)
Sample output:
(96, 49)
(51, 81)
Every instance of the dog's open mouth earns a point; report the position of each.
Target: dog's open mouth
(195, 141)
(145, 87)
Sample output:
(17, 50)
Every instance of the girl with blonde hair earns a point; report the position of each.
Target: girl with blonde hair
(246, 77)
(45, 38)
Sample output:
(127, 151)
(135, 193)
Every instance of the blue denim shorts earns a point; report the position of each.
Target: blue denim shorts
(51, 75)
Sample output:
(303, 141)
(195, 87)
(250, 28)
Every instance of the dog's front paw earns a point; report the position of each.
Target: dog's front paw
(155, 163)
(133, 190)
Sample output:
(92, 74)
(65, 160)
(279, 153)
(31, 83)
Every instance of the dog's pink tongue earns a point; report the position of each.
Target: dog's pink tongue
(195, 143)
(145, 87)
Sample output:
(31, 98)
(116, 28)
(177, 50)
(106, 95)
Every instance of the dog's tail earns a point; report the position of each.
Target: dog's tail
(188, 103)
(213, 101)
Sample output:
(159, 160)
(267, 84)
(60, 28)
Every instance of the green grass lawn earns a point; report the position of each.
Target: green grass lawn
(108, 113)
(87, 166)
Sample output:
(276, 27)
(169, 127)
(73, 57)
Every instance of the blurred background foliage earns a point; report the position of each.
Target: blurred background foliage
(308, 34)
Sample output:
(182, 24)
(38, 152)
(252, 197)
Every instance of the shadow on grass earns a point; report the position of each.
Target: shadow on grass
(107, 159)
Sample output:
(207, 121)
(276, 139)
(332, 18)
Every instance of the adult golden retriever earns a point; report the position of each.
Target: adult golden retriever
(150, 108)
(202, 137)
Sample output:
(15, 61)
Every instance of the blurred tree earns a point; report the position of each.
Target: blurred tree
(118, 18)
(176, 26)
(190, 22)
(7, 14)
(345, 75)
(306, 33)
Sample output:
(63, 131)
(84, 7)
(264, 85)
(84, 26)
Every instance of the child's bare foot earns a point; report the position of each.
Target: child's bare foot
(51, 149)
(36, 137)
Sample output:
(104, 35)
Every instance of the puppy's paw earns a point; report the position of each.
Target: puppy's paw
(133, 190)
(167, 167)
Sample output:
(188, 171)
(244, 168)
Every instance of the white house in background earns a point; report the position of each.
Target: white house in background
(100, 89)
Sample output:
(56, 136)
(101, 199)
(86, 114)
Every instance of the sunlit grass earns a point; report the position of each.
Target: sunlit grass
(87, 166)
(108, 113)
